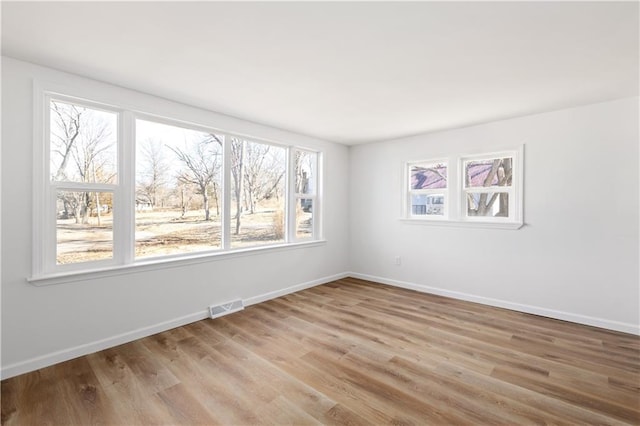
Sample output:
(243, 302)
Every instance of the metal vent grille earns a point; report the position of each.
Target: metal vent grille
(216, 311)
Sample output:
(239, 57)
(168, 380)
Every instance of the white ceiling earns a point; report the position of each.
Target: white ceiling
(347, 72)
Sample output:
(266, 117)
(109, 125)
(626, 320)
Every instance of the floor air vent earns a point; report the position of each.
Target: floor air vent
(216, 311)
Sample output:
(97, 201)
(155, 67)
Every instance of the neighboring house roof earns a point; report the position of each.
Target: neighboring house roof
(434, 177)
(428, 178)
(478, 173)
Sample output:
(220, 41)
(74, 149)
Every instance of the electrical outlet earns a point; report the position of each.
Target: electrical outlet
(398, 261)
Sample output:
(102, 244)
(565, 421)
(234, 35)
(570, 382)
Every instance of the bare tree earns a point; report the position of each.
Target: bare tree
(202, 166)
(153, 177)
(257, 171)
(263, 173)
(237, 171)
(81, 138)
(184, 195)
(301, 175)
(64, 132)
(63, 136)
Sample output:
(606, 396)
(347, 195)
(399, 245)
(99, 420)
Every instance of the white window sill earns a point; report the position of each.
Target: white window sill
(164, 262)
(463, 224)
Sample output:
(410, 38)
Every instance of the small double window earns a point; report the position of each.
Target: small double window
(484, 189)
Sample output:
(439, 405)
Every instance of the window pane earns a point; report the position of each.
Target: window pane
(488, 204)
(82, 144)
(304, 218)
(306, 163)
(178, 190)
(84, 228)
(430, 176)
(486, 173)
(257, 193)
(427, 204)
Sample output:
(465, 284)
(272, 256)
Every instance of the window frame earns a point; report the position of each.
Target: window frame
(45, 269)
(226, 208)
(297, 197)
(45, 215)
(144, 116)
(457, 192)
(408, 211)
(513, 190)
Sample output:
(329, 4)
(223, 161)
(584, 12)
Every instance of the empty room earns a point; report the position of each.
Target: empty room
(287, 213)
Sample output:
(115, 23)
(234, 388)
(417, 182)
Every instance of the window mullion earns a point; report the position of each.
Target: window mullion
(513, 204)
(50, 230)
(315, 224)
(124, 213)
(82, 186)
(226, 192)
(292, 198)
(315, 205)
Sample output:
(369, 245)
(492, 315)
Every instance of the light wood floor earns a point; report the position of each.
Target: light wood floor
(347, 352)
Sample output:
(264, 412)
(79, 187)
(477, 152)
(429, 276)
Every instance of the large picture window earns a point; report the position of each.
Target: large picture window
(119, 187)
(178, 190)
(476, 190)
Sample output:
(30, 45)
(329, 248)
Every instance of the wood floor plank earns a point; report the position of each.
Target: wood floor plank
(33, 400)
(547, 407)
(147, 368)
(281, 411)
(302, 395)
(80, 390)
(347, 352)
(567, 393)
(325, 382)
(184, 407)
(380, 391)
(537, 350)
(207, 381)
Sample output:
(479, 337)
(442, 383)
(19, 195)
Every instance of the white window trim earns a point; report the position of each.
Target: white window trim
(45, 190)
(457, 215)
(175, 261)
(462, 224)
(45, 271)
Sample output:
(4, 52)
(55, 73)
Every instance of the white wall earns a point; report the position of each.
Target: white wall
(41, 325)
(577, 256)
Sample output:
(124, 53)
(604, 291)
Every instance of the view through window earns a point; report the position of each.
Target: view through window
(306, 163)
(258, 182)
(83, 171)
(428, 189)
(178, 189)
(487, 186)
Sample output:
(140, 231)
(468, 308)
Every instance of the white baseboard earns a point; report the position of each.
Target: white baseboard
(272, 295)
(98, 345)
(536, 310)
